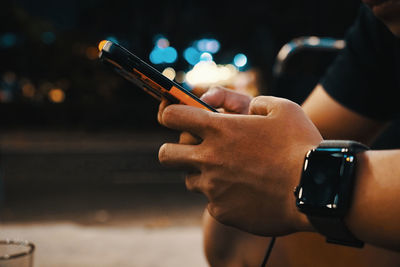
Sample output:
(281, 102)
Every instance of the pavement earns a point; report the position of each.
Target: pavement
(144, 226)
(65, 244)
(97, 199)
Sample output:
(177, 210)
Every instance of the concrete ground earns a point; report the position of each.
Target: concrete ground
(97, 199)
(65, 244)
(140, 227)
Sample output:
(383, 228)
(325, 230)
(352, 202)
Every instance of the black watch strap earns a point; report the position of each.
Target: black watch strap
(335, 231)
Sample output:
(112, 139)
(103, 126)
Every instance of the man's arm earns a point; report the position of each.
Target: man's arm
(248, 165)
(374, 216)
(334, 121)
(227, 246)
(371, 217)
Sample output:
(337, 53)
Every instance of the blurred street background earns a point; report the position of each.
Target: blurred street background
(79, 174)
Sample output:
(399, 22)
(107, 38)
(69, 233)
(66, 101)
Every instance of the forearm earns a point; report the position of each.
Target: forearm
(374, 216)
(218, 239)
(334, 121)
(228, 246)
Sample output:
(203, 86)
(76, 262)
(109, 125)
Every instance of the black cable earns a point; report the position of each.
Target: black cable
(268, 252)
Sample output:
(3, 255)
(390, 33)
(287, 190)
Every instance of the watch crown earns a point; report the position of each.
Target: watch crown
(296, 191)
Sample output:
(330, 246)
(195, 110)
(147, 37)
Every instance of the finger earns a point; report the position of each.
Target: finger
(178, 156)
(164, 103)
(187, 118)
(227, 99)
(193, 182)
(265, 105)
(188, 139)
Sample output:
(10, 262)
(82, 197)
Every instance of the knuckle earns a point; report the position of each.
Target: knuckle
(259, 101)
(208, 119)
(255, 100)
(215, 122)
(217, 212)
(289, 106)
(213, 209)
(211, 188)
(215, 160)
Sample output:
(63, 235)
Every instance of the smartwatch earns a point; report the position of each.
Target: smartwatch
(326, 188)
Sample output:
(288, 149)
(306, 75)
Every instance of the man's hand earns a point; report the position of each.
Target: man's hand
(228, 100)
(247, 166)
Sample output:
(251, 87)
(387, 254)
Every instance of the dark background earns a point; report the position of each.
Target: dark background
(97, 99)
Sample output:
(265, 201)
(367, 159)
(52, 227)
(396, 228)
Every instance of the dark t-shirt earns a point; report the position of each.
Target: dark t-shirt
(365, 77)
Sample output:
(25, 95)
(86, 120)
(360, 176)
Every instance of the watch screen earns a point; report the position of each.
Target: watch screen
(321, 180)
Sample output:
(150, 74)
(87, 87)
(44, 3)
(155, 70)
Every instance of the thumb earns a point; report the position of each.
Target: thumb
(229, 100)
(265, 105)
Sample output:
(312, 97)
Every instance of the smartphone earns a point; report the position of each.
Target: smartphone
(146, 77)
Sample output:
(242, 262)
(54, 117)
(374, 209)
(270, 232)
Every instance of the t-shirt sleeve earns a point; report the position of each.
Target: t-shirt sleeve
(362, 77)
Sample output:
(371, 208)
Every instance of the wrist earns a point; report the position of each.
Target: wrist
(303, 223)
(324, 193)
(356, 214)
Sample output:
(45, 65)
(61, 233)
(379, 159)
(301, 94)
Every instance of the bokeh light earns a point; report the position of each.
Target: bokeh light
(8, 40)
(162, 51)
(162, 42)
(156, 56)
(339, 44)
(163, 55)
(169, 73)
(207, 73)
(92, 52)
(170, 54)
(240, 60)
(48, 37)
(207, 45)
(56, 95)
(191, 55)
(9, 77)
(313, 40)
(28, 90)
(180, 77)
(206, 57)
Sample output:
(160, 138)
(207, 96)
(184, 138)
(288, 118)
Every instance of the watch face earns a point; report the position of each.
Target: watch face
(325, 179)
